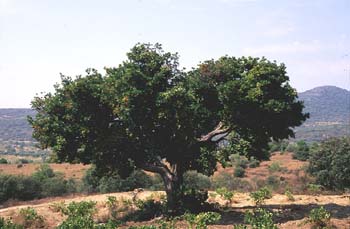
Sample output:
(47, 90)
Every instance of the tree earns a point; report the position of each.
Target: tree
(330, 163)
(149, 114)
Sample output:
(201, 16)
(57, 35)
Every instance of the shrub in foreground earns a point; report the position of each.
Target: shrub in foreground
(319, 217)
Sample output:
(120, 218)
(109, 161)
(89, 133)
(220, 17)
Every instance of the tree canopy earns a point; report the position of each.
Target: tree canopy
(148, 113)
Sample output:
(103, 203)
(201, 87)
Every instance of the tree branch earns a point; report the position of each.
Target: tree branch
(219, 129)
(158, 167)
(154, 168)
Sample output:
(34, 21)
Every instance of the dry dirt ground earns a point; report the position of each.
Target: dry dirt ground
(289, 214)
(75, 171)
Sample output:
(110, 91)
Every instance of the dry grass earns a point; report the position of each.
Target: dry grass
(75, 171)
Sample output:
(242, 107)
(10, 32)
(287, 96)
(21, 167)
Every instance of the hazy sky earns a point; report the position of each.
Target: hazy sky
(41, 38)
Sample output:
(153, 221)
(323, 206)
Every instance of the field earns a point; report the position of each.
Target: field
(289, 215)
(75, 171)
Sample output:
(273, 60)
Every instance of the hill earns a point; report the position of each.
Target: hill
(327, 104)
(14, 125)
(329, 109)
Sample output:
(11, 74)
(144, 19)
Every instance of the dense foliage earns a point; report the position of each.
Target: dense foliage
(149, 114)
(43, 183)
(94, 182)
(330, 163)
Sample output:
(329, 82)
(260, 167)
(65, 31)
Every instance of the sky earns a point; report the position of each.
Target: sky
(39, 39)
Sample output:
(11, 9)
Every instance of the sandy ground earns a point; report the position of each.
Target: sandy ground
(289, 214)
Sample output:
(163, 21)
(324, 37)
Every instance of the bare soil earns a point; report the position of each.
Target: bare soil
(289, 214)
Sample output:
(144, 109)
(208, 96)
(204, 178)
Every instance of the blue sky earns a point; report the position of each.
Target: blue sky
(41, 38)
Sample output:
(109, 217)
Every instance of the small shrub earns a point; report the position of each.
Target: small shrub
(79, 215)
(57, 206)
(302, 151)
(8, 224)
(229, 181)
(253, 162)
(261, 195)
(238, 160)
(202, 220)
(239, 172)
(31, 219)
(289, 195)
(319, 217)
(147, 209)
(195, 180)
(195, 200)
(260, 218)
(280, 146)
(275, 167)
(273, 182)
(93, 182)
(112, 204)
(3, 161)
(314, 188)
(225, 194)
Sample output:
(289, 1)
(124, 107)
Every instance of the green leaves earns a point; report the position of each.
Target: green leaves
(147, 111)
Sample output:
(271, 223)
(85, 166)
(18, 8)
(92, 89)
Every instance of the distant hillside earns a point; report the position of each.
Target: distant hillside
(14, 125)
(329, 109)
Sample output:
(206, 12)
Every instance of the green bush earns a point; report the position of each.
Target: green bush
(43, 183)
(3, 161)
(195, 180)
(259, 218)
(239, 172)
(302, 151)
(314, 188)
(8, 224)
(44, 172)
(225, 194)
(280, 146)
(229, 181)
(273, 182)
(275, 167)
(148, 209)
(253, 162)
(79, 215)
(19, 187)
(202, 220)
(330, 163)
(31, 218)
(194, 200)
(320, 217)
(92, 182)
(289, 195)
(238, 160)
(261, 195)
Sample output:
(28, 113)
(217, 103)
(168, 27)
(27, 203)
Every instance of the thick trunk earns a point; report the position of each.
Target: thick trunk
(173, 188)
(173, 181)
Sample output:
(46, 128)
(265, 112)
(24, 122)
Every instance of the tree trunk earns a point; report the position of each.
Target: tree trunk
(173, 188)
(173, 182)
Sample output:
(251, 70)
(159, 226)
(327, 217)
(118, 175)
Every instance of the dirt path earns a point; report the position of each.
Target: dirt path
(289, 214)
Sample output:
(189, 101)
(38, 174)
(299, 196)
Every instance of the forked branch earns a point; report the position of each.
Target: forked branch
(219, 130)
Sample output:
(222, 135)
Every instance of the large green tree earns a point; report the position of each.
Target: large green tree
(148, 113)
